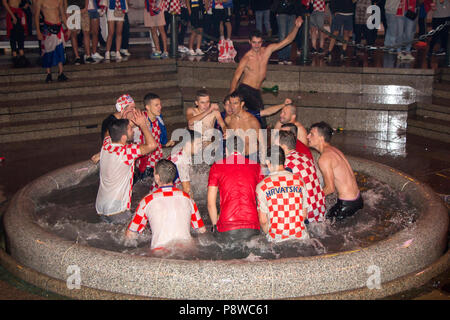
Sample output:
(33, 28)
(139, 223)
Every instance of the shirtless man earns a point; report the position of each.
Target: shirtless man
(52, 35)
(289, 115)
(245, 126)
(337, 173)
(253, 67)
(206, 112)
(16, 27)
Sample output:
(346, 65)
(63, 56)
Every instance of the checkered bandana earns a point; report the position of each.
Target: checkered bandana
(124, 101)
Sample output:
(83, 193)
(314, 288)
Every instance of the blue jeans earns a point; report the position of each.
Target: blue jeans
(407, 30)
(285, 24)
(263, 16)
(392, 36)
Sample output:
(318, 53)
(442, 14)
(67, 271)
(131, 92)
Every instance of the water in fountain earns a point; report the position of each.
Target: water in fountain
(70, 213)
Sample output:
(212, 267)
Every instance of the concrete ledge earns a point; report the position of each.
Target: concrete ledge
(410, 251)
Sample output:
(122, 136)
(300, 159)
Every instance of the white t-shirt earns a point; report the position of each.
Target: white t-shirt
(116, 177)
(170, 213)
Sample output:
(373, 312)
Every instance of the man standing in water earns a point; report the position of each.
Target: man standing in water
(337, 173)
(52, 35)
(253, 67)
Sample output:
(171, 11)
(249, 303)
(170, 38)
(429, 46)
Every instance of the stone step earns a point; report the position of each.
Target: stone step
(85, 71)
(432, 128)
(441, 89)
(88, 105)
(429, 110)
(102, 85)
(42, 129)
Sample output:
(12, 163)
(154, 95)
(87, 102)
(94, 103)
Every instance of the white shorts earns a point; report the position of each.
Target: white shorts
(110, 16)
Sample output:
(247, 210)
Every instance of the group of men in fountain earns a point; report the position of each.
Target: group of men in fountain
(275, 189)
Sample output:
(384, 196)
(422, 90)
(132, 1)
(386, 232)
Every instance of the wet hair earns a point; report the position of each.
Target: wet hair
(324, 129)
(276, 155)
(288, 139)
(166, 170)
(255, 33)
(149, 97)
(236, 94)
(201, 93)
(227, 97)
(118, 128)
(292, 128)
(236, 145)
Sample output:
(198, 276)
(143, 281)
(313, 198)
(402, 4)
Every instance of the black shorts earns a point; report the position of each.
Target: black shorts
(345, 208)
(222, 15)
(236, 235)
(253, 101)
(197, 18)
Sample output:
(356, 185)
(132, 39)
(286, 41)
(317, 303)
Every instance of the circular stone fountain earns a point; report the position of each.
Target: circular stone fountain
(408, 258)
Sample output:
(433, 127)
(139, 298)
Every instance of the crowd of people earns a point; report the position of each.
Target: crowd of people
(265, 183)
(214, 22)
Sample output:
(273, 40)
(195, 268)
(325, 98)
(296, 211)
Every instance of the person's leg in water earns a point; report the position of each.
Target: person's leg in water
(345, 208)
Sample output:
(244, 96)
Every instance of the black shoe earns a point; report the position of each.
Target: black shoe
(77, 61)
(320, 51)
(313, 51)
(49, 78)
(15, 61)
(62, 77)
(89, 60)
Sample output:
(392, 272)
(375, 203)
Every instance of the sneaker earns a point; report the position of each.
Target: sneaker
(313, 51)
(408, 56)
(118, 57)
(440, 52)
(113, 54)
(88, 59)
(49, 78)
(400, 56)
(199, 52)
(97, 56)
(182, 49)
(155, 55)
(77, 61)
(107, 55)
(328, 56)
(320, 51)
(191, 52)
(125, 52)
(165, 55)
(287, 62)
(62, 77)
(281, 62)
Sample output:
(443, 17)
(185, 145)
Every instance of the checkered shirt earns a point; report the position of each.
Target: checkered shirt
(319, 5)
(303, 166)
(140, 218)
(280, 196)
(130, 153)
(151, 159)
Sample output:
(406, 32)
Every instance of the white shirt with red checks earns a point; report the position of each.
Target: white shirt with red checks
(319, 5)
(281, 196)
(170, 212)
(303, 166)
(116, 176)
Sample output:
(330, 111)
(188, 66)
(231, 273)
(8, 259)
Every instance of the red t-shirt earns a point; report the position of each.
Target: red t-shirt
(236, 177)
(302, 149)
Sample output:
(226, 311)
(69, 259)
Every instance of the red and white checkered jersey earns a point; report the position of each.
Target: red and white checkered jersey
(303, 166)
(116, 176)
(319, 5)
(170, 212)
(150, 160)
(281, 196)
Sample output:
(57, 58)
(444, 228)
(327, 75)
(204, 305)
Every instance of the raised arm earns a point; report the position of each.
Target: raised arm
(291, 36)
(149, 144)
(192, 118)
(274, 109)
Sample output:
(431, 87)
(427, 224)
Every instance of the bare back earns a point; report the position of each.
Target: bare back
(337, 171)
(14, 3)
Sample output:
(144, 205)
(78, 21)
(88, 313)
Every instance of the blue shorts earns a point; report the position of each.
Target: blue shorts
(93, 14)
(340, 21)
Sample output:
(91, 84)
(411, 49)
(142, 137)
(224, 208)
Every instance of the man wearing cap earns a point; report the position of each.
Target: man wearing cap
(117, 158)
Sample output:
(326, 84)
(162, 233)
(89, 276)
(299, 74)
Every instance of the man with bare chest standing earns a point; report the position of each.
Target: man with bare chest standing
(253, 68)
(51, 35)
